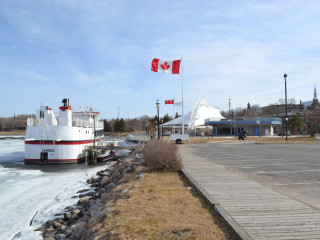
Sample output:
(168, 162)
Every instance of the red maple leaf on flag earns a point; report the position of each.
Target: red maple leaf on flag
(165, 66)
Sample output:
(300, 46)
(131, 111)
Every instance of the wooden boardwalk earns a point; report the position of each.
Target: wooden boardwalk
(253, 210)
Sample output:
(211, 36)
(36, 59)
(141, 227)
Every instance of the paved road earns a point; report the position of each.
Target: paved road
(293, 169)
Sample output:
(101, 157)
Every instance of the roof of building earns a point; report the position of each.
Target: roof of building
(201, 111)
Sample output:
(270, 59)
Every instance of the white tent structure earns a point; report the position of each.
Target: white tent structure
(196, 118)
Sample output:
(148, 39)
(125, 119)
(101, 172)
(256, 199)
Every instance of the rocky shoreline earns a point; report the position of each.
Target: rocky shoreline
(78, 222)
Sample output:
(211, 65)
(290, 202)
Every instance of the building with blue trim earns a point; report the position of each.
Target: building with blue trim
(259, 126)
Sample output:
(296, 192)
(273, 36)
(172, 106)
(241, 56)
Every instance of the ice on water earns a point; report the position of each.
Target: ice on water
(28, 191)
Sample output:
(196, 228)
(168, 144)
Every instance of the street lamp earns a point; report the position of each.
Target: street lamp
(158, 106)
(285, 86)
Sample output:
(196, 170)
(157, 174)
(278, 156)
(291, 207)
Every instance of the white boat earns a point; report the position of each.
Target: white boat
(63, 139)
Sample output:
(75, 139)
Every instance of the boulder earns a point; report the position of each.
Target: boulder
(104, 181)
(55, 224)
(85, 199)
(77, 230)
(75, 211)
(67, 215)
(68, 233)
(60, 236)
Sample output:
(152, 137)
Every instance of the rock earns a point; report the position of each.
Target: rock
(96, 195)
(49, 234)
(86, 194)
(126, 191)
(63, 227)
(59, 220)
(128, 169)
(77, 230)
(48, 223)
(41, 229)
(135, 186)
(83, 190)
(107, 235)
(85, 218)
(67, 215)
(69, 208)
(55, 224)
(68, 233)
(75, 211)
(74, 217)
(104, 181)
(49, 229)
(116, 212)
(60, 236)
(84, 199)
(58, 214)
(141, 176)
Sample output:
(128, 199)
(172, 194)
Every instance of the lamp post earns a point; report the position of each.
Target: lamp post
(229, 108)
(285, 86)
(158, 106)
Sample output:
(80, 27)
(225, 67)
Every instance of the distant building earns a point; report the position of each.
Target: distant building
(314, 103)
(278, 110)
(257, 126)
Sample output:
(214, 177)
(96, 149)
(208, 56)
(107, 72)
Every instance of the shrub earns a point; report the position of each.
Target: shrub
(162, 156)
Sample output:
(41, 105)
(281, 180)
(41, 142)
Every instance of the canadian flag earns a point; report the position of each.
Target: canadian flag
(172, 67)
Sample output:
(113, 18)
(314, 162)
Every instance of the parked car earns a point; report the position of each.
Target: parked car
(283, 133)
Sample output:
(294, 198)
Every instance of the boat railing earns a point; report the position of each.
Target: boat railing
(85, 123)
(31, 121)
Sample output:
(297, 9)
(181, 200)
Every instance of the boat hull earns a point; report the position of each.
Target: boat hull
(56, 152)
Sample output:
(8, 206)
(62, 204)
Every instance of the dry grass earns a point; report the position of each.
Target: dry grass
(162, 207)
(16, 132)
(162, 156)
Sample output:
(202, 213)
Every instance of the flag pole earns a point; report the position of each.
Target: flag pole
(173, 117)
(182, 96)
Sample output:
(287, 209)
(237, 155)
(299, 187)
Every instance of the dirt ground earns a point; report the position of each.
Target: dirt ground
(162, 206)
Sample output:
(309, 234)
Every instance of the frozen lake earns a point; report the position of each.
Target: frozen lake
(28, 190)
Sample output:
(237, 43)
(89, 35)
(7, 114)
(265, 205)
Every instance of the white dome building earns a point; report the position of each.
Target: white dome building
(195, 119)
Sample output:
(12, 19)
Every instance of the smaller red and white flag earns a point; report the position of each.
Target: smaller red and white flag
(169, 101)
(172, 67)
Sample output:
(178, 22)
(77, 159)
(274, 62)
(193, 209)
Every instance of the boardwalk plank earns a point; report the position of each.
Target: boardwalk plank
(258, 212)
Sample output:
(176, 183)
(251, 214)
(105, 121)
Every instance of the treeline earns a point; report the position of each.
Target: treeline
(17, 122)
(134, 124)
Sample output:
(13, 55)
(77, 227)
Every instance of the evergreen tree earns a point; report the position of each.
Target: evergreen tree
(107, 126)
(166, 118)
(116, 125)
(121, 125)
(294, 123)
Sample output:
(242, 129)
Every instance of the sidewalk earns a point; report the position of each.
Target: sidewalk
(253, 210)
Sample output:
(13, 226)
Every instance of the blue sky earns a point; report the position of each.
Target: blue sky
(98, 53)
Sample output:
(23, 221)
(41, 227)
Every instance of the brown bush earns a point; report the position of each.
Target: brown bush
(162, 156)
